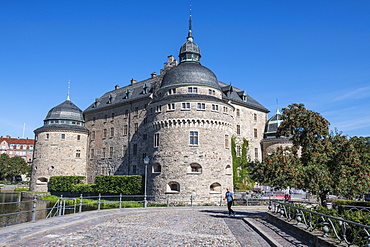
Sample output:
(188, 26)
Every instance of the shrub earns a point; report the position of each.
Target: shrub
(64, 183)
(126, 185)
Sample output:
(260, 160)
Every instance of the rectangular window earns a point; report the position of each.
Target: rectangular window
(136, 111)
(103, 153)
(110, 152)
(255, 116)
(92, 135)
(237, 112)
(226, 141)
(78, 153)
(201, 106)
(192, 90)
(159, 108)
(47, 136)
(134, 169)
(126, 113)
(112, 116)
(125, 130)
(112, 132)
(136, 126)
(105, 133)
(106, 117)
(172, 91)
(193, 137)
(238, 129)
(156, 140)
(134, 150)
(146, 120)
(63, 136)
(256, 153)
(255, 133)
(78, 137)
(186, 106)
(171, 106)
(214, 107)
(92, 153)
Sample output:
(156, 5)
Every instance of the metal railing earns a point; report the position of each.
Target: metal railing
(35, 209)
(345, 231)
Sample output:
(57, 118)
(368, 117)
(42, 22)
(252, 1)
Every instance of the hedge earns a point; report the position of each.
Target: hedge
(125, 184)
(64, 183)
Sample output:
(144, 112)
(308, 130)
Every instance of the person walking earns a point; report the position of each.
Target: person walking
(229, 197)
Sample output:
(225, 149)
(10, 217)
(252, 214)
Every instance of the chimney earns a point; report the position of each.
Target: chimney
(116, 87)
(133, 81)
(153, 74)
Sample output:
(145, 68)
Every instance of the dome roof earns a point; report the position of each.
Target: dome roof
(273, 124)
(190, 73)
(65, 111)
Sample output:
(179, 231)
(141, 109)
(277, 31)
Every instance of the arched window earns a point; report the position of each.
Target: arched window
(42, 181)
(157, 168)
(228, 170)
(195, 168)
(215, 188)
(173, 187)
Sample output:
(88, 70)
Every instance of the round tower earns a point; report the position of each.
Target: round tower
(60, 146)
(191, 130)
(271, 141)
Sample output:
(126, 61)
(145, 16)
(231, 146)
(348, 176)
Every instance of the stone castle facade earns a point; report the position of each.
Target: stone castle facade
(182, 119)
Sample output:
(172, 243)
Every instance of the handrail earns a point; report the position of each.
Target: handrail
(338, 227)
(60, 206)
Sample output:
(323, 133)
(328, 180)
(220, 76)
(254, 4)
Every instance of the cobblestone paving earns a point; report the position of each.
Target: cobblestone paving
(198, 226)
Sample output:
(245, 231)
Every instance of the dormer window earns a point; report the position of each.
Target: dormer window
(110, 99)
(145, 89)
(127, 94)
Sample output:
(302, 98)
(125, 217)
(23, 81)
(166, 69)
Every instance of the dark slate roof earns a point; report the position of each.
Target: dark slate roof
(68, 127)
(188, 74)
(125, 94)
(65, 111)
(272, 125)
(235, 94)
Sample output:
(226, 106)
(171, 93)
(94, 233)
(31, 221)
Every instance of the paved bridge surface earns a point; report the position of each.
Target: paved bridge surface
(174, 226)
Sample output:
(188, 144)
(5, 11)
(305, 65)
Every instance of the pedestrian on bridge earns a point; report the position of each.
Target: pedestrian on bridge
(229, 197)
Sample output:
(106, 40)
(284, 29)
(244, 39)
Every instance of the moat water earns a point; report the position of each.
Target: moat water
(11, 202)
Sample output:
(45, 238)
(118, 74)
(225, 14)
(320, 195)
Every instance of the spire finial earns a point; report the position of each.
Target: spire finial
(190, 36)
(277, 105)
(69, 87)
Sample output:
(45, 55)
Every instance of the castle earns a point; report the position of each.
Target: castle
(182, 119)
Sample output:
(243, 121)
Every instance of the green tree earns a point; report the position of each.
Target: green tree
(3, 164)
(362, 146)
(13, 167)
(317, 162)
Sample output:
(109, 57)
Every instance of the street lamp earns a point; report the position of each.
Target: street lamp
(146, 162)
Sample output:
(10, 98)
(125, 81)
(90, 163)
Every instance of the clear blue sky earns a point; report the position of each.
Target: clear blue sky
(309, 51)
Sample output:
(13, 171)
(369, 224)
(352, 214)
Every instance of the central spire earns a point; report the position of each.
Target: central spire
(190, 35)
(189, 51)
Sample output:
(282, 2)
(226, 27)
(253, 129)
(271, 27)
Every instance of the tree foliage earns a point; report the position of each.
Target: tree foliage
(10, 168)
(317, 162)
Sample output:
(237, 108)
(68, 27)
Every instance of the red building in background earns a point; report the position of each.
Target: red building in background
(19, 147)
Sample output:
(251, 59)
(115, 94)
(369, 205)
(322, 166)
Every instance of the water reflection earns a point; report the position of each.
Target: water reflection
(11, 202)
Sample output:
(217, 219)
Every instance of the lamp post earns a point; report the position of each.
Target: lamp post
(146, 162)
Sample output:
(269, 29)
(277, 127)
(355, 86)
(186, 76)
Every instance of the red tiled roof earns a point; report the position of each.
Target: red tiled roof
(18, 141)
